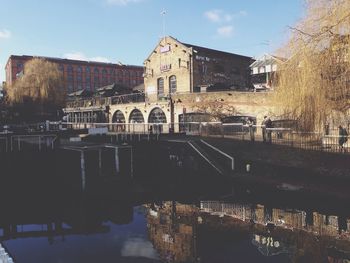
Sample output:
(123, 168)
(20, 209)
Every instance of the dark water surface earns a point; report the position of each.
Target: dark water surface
(167, 211)
(170, 231)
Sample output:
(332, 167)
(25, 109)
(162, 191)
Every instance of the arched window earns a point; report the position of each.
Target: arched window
(156, 116)
(160, 87)
(136, 117)
(118, 117)
(172, 84)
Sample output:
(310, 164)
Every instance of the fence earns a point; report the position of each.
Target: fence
(239, 131)
(101, 101)
(281, 136)
(27, 142)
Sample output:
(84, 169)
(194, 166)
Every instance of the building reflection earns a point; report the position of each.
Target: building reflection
(80, 217)
(183, 233)
(313, 222)
(172, 230)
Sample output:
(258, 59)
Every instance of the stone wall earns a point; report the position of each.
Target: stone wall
(255, 104)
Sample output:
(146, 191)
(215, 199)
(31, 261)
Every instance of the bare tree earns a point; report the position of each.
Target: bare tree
(314, 81)
(40, 89)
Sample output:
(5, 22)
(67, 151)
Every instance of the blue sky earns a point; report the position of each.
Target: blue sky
(128, 30)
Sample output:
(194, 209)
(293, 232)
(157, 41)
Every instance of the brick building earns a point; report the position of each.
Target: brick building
(79, 75)
(175, 67)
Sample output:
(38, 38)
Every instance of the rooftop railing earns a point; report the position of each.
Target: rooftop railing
(103, 101)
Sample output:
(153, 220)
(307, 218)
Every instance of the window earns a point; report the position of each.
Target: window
(70, 87)
(160, 90)
(70, 77)
(136, 116)
(172, 84)
(19, 67)
(87, 78)
(104, 77)
(111, 76)
(156, 116)
(96, 78)
(79, 77)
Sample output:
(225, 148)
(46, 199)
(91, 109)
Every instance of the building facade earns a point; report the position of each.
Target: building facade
(176, 67)
(263, 72)
(79, 74)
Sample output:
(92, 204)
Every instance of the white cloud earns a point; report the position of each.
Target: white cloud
(225, 31)
(213, 15)
(82, 56)
(100, 59)
(138, 247)
(5, 34)
(219, 16)
(122, 2)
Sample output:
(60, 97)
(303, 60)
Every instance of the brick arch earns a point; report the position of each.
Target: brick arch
(136, 115)
(118, 117)
(156, 115)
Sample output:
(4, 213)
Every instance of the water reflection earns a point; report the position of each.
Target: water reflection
(85, 230)
(248, 233)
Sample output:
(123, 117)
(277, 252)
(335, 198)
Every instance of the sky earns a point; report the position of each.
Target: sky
(127, 31)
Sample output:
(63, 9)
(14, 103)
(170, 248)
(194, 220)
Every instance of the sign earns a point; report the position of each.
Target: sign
(202, 58)
(165, 67)
(165, 49)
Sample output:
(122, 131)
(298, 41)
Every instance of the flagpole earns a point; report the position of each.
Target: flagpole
(163, 16)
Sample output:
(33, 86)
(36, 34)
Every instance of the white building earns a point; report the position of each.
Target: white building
(263, 72)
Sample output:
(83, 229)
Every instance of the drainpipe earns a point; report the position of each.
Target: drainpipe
(191, 72)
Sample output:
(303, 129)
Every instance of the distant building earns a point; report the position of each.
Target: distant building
(263, 72)
(79, 74)
(176, 67)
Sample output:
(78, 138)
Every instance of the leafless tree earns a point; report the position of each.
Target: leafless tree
(314, 82)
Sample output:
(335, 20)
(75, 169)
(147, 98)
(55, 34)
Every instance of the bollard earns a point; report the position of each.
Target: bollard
(247, 168)
(83, 170)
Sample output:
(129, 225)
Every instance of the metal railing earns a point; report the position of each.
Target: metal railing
(281, 136)
(104, 101)
(232, 160)
(34, 142)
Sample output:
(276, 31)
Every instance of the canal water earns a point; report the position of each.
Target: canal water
(172, 231)
(162, 210)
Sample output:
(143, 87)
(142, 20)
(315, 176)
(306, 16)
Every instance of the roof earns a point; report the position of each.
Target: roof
(140, 87)
(206, 50)
(267, 60)
(198, 49)
(77, 93)
(82, 62)
(107, 87)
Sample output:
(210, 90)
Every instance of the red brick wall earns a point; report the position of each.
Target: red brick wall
(129, 76)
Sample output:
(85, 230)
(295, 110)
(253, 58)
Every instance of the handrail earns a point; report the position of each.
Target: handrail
(205, 158)
(39, 136)
(221, 152)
